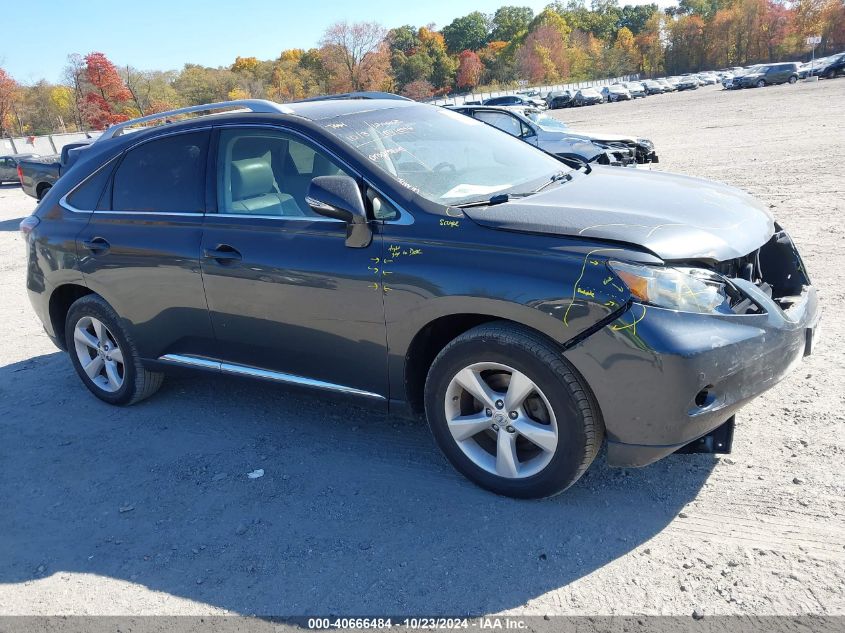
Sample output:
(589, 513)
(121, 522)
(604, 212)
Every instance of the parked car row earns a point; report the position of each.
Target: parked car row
(626, 91)
(761, 75)
(826, 67)
(420, 260)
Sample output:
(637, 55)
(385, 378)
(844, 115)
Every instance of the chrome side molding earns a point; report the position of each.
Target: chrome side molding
(266, 374)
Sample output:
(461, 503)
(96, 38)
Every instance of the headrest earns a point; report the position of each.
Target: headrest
(251, 177)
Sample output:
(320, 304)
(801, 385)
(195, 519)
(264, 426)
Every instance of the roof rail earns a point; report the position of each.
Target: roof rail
(361, 94)
(253, 105)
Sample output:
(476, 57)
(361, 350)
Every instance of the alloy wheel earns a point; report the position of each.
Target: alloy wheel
(501, 420)
(99, 354)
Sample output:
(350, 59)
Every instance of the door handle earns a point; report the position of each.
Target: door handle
(223, 254)
(96, 245)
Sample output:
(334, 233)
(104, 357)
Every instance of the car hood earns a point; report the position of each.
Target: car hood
(557, 143)
(609, 137)
(675, 217)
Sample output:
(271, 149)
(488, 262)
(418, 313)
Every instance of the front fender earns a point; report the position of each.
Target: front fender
(562, 292)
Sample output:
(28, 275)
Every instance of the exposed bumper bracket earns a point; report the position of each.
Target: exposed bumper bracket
(719, 440)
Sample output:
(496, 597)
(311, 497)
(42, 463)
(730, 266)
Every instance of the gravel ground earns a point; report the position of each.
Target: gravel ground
(148, 509)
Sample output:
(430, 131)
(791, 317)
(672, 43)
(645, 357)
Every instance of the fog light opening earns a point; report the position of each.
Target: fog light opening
(703, 397)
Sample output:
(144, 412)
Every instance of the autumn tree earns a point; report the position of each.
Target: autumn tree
(418, 90)
(543, 57)
(9, 94)
(104, 93)
(355, 55)
(470, 69)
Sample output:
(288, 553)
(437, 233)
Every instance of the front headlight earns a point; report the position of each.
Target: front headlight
(682, 289)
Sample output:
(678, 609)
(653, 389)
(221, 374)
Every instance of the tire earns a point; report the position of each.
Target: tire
(793, 79)
(43, 192)
(116, 382)
(560, 403)
(760, 84)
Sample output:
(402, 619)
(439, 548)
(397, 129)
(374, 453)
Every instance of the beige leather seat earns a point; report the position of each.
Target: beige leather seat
(255, 191)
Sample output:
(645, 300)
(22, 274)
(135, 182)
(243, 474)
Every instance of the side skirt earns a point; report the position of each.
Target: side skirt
(196, 362)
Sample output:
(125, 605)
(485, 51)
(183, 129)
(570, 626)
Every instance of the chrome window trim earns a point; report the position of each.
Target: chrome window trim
(257, 372)
(273, 217)
(63, 201)
(405, 216)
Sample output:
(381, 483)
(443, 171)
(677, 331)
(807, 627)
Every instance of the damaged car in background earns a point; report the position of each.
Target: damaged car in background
(620, 145)
(415, 258)
(549, 134)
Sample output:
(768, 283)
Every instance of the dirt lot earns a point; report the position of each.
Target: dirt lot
(148, 510)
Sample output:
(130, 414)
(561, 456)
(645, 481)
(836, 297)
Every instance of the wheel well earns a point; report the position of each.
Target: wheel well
(428, 343)
(42, 189)
(60, 302)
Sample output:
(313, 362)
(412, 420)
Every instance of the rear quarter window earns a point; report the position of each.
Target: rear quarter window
(163, 175)
(87, 196)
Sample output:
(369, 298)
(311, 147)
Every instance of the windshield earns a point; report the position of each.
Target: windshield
(444, 156)
(547, 122)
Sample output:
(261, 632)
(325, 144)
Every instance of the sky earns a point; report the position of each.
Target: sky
(164, 35)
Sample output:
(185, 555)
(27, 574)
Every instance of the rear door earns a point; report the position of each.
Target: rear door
(140, 249)
(288, 299)
(777, 74)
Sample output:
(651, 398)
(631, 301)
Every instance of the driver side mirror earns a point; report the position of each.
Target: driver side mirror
(339, 198)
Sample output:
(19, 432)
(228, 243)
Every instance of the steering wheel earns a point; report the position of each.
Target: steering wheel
(443, 166)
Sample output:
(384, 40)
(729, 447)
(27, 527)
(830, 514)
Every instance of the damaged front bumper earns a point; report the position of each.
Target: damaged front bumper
(670, 378)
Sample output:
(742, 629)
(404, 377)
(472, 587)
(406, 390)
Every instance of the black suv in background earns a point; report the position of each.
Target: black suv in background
(422, 261)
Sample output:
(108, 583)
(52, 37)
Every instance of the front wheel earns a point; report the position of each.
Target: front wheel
(510, 413)
(104, 355)
(760, 83)
(793, 79)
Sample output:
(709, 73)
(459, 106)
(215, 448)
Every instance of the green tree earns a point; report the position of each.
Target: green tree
(634, 17)
(467, 33)
(508, 22)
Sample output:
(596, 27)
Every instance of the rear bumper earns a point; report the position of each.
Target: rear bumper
(676, 377)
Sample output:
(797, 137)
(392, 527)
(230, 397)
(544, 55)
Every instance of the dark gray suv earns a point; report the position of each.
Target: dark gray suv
(424, 262)
(771, 74)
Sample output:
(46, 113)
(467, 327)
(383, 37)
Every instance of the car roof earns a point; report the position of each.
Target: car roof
(316, 110)
(331, 108)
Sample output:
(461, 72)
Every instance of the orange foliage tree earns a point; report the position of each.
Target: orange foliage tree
(104, 93)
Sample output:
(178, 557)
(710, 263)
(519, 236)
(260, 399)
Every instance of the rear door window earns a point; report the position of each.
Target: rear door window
(501, 120)
(165, 175)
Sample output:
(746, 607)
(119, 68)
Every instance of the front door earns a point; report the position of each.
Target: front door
(285, 292)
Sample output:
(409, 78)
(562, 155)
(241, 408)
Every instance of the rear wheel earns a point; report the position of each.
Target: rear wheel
(510, 413)
(104, 356)
(793, 79)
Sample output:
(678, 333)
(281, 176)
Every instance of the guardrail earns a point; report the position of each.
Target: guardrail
(543, 90)
(44, 145)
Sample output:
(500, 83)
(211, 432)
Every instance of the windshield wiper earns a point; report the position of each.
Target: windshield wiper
(500, 198)
(557, 177)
